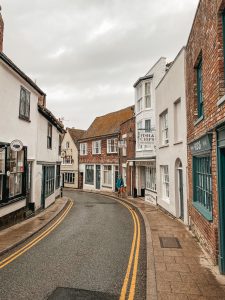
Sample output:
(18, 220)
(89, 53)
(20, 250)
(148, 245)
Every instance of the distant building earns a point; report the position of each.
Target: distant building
(127, 153)
(29, 145)
(99, 155)
(171, 132)
(205, 89)
(70, 153)
(145, 156)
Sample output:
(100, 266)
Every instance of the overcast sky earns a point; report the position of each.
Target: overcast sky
(86, 54)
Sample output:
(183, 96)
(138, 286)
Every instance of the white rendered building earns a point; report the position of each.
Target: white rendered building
(171, 140)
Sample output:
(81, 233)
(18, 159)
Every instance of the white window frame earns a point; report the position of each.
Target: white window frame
(96, 147)
(83, 149)
(151, 178)
(165, 184)
(148, 94)
(69, 177)
(67, 160)
(139, 98)
(112, 147)
(139, 126)
(107, 169)
(164, 128)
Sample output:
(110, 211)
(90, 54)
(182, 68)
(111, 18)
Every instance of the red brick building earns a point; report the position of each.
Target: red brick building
(99, 156)
(127, 154)
(205, 90)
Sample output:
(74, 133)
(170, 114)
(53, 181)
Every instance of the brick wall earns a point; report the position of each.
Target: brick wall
(206, 40)
(128, 128)
(1, 32)
(103, 158)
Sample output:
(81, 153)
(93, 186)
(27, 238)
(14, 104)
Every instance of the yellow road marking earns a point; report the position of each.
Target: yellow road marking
(135, 269)
(133, 257)
(16, 254)
(126, 279)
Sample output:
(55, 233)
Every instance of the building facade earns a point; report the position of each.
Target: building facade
(171, 132)
(25, 134)
(99, 155)
(145, 156)
(127, 154)
(70, 153)
(205, 90)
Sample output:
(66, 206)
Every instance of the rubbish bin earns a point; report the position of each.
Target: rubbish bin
(142, 192)
(135, 193)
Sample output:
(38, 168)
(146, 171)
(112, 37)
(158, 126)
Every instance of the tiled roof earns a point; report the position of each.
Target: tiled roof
(76, 134)
(51, 118)
(109, 124)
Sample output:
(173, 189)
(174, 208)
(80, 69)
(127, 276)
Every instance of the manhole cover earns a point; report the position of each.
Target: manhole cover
(78, 294)
(169, 242)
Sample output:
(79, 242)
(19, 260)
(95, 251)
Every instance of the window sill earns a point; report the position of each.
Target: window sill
(96, 153)
(203, 211)
(221, 101)
(164, 146)
(150, 190)
(11, 201)
(112, 152)
(199, 120)
(178, 143)
(24, 119)
(67, 164)
(89, 183)
(107, 186)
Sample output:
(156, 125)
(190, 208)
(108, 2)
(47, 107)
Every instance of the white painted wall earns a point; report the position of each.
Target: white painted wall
(170, 89)
(74, 166)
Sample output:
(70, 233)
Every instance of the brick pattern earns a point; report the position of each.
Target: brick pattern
(104, 157)
(128, 128)
(1, 33)
(206, 40)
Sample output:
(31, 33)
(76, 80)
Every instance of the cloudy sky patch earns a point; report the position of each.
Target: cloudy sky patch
(86, 54)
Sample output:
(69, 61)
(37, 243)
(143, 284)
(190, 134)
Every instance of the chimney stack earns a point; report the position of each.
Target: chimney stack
(1, 31)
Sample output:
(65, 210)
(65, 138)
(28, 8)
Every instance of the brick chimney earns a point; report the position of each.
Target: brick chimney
(1, 31)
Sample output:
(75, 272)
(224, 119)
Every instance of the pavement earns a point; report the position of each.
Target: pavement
(172, 273)
(17, 234)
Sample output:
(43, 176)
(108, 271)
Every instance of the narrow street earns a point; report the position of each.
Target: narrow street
(88, 251)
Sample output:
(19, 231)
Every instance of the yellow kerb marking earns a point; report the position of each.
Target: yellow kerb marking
(16, 254)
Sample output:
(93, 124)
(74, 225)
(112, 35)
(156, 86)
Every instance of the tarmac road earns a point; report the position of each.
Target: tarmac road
(85, 257)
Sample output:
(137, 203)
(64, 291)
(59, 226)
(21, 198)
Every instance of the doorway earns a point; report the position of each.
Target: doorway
(98, 177)
(180, 190)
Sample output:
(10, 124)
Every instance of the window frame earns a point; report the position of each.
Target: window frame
(87, 169)
(69, 177)
(107, 169)
(150, 173)
(109, 145)
(49, 137)
(164, 128)
(22, 115)
(57, 180)
(165, 184)
(199, 181)
(49, 180)
(95, 147)
(83, 149)
(199, 83)
(148, 95)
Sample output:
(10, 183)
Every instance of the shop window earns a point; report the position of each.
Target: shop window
(112, 146)
(57, 185)
(69, 178)
(202, 190)
(107, 175)
(49, 180)
(89, 174)
(16, 168)
(24, 110)
(49, 136)
(165, 181)
(151, 178)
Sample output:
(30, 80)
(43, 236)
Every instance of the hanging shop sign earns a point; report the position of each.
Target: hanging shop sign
(63, 154)
(16, 145)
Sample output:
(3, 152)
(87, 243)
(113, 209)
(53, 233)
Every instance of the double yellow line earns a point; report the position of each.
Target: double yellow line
(29, 245)
(133, 259)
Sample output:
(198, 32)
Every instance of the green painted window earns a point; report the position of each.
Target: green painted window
(202, 181)
(199, 89)
(49, 180)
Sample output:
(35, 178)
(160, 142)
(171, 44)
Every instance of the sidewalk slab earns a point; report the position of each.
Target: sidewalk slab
(17, 234)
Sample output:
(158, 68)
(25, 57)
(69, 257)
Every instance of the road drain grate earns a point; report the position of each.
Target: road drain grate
(169, 242)
(78, 294)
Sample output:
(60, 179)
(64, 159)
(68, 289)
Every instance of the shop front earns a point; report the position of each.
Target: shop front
(13, 160)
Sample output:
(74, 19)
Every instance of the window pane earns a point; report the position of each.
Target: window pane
(13, 161)
(2, 161)
(20, 161)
